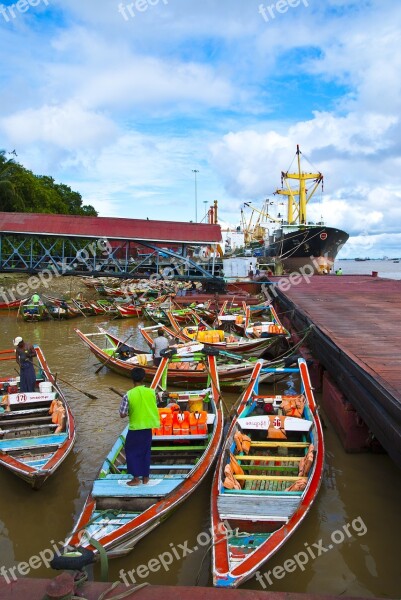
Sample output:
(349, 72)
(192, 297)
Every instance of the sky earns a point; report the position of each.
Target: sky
(123, 101)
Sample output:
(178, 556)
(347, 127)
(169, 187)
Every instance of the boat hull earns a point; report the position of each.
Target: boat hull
(250, 525)
(141, 511)
(315, 246)
(34, 457)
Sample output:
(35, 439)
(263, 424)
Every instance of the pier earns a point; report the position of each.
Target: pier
(356, 338)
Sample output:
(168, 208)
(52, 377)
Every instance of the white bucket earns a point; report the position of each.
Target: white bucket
(45, 387)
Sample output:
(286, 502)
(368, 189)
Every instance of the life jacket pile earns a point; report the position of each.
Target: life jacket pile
(173, 421)
(293, 406)
(186, 366)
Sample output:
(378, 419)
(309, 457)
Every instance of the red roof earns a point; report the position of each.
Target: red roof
(108, 227)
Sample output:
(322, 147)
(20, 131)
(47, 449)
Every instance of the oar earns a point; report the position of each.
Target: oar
(111, 355)
(216, 386)
(91, 396)
(77, 306)
(116, 392)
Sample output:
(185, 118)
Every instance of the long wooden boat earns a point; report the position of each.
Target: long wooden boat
(270, 326)
(33, 442)
(61, 309)
(184, 449)
(268, 475)
(128, 310)
(119, 356)
(221, 339)
(13, 304)
(105, 307)
(34, 312)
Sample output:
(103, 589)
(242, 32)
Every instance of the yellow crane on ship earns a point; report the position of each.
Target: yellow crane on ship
(298, 198)
(255, 228)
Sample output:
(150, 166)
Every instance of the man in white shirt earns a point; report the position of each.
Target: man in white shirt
(159, 343)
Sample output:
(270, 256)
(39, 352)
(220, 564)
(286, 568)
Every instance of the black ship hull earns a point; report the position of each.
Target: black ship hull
(316, 246)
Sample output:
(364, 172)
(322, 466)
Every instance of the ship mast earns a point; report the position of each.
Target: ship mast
(296, 211)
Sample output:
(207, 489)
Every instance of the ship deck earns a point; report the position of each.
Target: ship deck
(357, 338)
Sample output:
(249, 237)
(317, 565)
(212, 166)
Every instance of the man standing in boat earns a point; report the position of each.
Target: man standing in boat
(24, 354)
(139, 404)
(159, 343)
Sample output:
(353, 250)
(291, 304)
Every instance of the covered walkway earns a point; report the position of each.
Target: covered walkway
(32, 242)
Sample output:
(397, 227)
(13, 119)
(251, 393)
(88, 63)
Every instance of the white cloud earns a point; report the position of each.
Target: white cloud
(67, 126)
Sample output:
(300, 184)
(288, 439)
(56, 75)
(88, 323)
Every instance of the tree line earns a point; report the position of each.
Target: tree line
(23, 191)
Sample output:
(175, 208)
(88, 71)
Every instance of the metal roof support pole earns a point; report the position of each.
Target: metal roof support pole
(214, 250)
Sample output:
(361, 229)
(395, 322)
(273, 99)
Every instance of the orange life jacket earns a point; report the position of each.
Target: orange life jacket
(198, 422)
(181, 423)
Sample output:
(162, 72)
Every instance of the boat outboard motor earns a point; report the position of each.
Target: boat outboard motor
(124, 352)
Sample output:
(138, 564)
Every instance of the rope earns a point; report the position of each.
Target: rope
(123, 594)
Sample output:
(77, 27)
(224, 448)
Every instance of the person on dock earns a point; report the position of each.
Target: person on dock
(159, 343)
(139, 404)
(24, 354)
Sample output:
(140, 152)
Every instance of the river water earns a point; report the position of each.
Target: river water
(362, 491)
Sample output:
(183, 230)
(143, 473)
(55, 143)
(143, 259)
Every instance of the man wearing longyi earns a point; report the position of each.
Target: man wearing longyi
(24, 354)
(139, 404)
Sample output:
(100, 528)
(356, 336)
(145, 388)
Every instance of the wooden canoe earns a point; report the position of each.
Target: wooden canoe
(251, 523)
(118, 516)
(233, 370)
(13, 304)
(231, 342)
(29, 446)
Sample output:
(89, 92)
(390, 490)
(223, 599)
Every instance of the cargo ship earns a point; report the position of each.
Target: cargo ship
(292, 243)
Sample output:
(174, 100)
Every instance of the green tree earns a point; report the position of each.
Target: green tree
(22, 191)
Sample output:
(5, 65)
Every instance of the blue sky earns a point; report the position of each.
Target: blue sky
(122, 100)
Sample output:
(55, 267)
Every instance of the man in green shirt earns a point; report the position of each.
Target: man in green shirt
(139, 404)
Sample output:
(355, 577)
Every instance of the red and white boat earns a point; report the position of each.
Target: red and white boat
(267, 477)
(184, 449)
(33, 442)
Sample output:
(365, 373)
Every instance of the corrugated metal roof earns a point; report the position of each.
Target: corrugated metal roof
(108, 227)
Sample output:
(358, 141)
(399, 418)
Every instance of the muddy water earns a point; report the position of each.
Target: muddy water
(362, 492)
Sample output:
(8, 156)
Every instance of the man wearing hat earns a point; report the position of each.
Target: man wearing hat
(24, 354)
(139, 404)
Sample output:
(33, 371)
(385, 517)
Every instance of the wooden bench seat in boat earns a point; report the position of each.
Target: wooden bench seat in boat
(266, 458)
(31, 420)
(280, 444)
(161, 467)
(27, 427)
(112, 486)
(32, 442)
(260, 507)
(14, 414)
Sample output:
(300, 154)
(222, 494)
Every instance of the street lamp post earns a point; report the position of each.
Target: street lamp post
(195, 171)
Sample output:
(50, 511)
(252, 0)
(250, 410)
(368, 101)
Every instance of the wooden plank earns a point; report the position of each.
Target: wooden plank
(268, 477)
(280, 444)
(27, 443)
(268, 458)
(105, 488)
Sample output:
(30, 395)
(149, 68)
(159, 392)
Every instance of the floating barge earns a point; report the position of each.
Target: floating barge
(356, 338)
